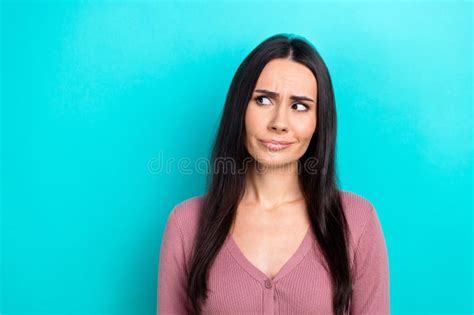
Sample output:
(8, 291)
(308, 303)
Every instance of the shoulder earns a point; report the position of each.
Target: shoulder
(185, 215)
(187, 210)
(359, 211)
(356, 207)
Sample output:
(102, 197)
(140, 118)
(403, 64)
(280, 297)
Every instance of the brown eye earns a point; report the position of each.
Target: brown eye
(258, 99)
(304, 106)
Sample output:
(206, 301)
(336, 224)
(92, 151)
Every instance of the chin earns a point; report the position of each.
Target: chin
(272, 161)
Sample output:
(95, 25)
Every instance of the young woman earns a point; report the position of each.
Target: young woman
(274, 234)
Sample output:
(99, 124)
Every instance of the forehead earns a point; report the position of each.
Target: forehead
(282, 74)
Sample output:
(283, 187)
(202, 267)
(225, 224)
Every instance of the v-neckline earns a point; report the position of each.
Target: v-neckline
(290, 264)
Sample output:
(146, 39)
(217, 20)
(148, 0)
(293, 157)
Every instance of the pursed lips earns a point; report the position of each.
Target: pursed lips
(275, 141)
(276, 145)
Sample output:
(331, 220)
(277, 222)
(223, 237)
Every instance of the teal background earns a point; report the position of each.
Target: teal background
(93, 94)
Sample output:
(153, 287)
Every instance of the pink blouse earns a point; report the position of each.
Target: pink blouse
(303, 284)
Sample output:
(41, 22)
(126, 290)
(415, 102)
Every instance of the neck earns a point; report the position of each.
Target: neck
(271, 186)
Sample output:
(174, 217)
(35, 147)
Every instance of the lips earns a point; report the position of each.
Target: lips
(274, 145)
(275, 141)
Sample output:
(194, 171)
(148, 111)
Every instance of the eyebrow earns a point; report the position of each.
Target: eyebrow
(293, 97)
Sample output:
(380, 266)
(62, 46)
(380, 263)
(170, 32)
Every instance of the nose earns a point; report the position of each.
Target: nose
(279, 128)
(279, 123)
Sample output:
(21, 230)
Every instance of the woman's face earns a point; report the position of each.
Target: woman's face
(282, 108)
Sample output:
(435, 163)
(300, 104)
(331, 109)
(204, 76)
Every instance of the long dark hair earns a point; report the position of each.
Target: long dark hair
(225, 189)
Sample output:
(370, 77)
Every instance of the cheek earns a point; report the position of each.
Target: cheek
(253, 121)
(304, 128)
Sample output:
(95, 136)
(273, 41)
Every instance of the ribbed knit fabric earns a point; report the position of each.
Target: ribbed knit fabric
(303, 284)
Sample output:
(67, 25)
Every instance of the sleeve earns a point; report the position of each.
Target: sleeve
(172, 276)
(371, 293)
